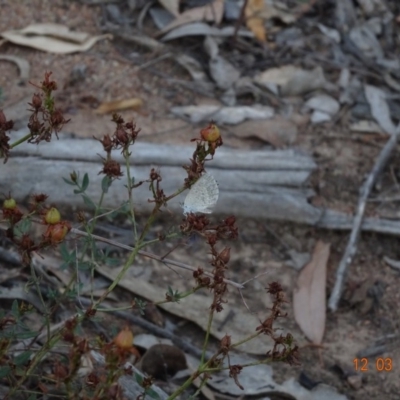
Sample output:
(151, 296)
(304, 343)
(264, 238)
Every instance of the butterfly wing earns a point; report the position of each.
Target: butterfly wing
(203, 196)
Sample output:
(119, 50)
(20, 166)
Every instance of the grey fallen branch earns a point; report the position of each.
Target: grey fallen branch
(262, 184)
(351, 248)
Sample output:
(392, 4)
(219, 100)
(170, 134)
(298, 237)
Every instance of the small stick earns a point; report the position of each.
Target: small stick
(152, 256)
(150, 327)
(351, 248)
(240, 20)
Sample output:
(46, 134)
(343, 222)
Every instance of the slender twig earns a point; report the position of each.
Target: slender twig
(153, 256)
(239, 21)
(150, 327)
(351, 248)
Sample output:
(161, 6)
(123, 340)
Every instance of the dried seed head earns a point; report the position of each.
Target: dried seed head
(107, 143)
(225, 344)
(225, 255)
(112, 169)
(121, 137)
(36, 101)
(3, 118)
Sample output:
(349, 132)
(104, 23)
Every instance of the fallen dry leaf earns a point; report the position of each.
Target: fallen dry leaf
(223, 115)
(271, 10)
(309, 296)
(376, 99)
(110, 106)
(52, 38)
(277, 131)
(194, 308)
(211, 12)
(22, 65)
(171, 5)
(254, 22)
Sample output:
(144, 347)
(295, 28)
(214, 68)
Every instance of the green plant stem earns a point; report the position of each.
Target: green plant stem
(90, 230)
(156, 208)
(105, 310)
(181, 296)
(184, 386)
(149, 222)
(202, 384)
(189, 381)
(59, 300)
(34, 362)
(207, 337)
(19, 141)
(170, 236)
(120, 275)
(35, 280)
(254, 335)
(130, 189)
(96, 212)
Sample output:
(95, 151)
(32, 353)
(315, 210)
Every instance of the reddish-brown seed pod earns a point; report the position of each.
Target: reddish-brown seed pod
(124, 339)
(211, 133)
(56, 233)
(225, 255)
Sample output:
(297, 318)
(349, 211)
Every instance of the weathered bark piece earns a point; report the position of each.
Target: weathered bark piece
(258, 184)
(263, 183)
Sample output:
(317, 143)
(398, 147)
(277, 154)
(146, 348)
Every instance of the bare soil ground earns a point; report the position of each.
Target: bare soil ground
(343, 160)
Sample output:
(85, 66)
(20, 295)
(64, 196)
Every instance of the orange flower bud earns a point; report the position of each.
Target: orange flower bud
(57, 232)
(124, 339)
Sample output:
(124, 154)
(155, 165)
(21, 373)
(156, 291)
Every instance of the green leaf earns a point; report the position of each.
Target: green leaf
(141, 305)
(15, 309)
(152, 393)
(69, 258)
(89, 203)
(53, 294)
(22, 227)
(32, 397)
(75, 290)
(64, 252)
(106, 183)
(22, 358)
(84, 265)
(112, 262)
(4, 371)
(85, 182)
(174, 295)
(68, 182)
(25, 335)
(139, 378)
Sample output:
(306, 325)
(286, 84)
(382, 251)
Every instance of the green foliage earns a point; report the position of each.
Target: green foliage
(173, 295)
(22, 227)
(81, 259)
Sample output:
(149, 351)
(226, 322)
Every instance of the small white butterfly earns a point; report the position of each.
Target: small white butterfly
(202, 196)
